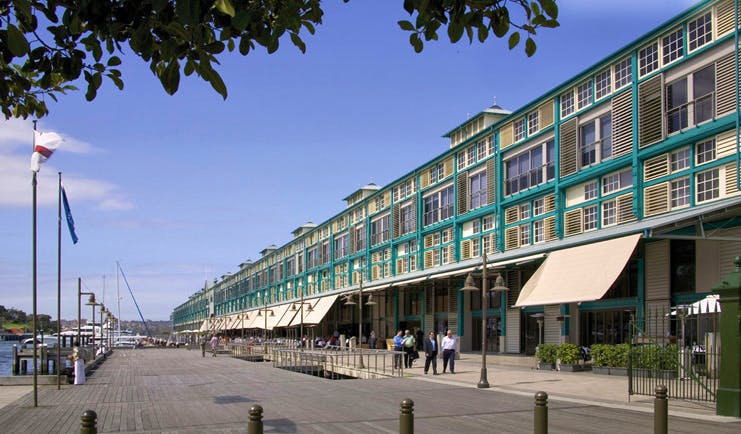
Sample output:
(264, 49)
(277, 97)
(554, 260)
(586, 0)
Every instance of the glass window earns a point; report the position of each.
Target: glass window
(438, 206)
(380, 230)
(682, 265)
(700, 31)
(524, 235)
(602, 84)
(590, 218)
(609, 213)
(477, 190)
(595, 140)
(680, 192)
(691, 94)
(538, 231)
(567, 103)
(471, 154)
(481, 150)
(461, 160)
(488, 223)
(617, 181)
(538, 206)
(359, 238)
(673, 46)
(407, 220)
(708, 185)
(648, 59)
(703, 87)
(533, 122)
(584, 94)
(527, 169)
(680, 159)
(518, 128)
(705, 151)
(623, 73)
(590, 190)
(340, 246)
(676, 105)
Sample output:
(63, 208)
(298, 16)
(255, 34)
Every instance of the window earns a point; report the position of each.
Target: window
(471, 154)
(437, 172)
(528, 169)
(680, 192)
(590, 190)
(595, 140)
(609, 213)
(682, 265)
(476, 226)
(538, 206)
(482, 150)
(590, 218)
(567, 103)
(324, 255)
(705, 151)
(707, 185)
(690, 99)
(533, 122)
(673, 46)
(648, 59)
(524, 235)
(602, 84)
(518, 129)
(623, 73)
(311, 258)
(617, 181)
(407, 220)
(524, 211)
(380, 230)
(490, 145)
(538, 231)
(462, 163)
(488, 223)
(700, 31)
(680, 159)
(340, 246)
(584, 94)
(438, 206)
(359, 234)
(477, 190)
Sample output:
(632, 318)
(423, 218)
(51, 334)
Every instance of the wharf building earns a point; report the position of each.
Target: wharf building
(614, 193)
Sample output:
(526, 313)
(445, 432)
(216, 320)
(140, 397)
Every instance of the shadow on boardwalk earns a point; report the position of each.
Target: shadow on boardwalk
(169, 390)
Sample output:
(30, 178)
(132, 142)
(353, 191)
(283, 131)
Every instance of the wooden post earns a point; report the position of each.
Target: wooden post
(540, 425)
(254, 423)
(406, 418)
(16, 361)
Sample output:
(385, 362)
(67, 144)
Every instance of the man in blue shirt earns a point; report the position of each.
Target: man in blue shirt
(398, 347)
(430, 347)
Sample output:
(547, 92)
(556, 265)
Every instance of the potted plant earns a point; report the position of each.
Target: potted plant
(546, 355)
(619, 359)
(569, 356)
(600, 358)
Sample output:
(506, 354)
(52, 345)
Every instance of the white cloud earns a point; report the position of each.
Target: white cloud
(18, 134)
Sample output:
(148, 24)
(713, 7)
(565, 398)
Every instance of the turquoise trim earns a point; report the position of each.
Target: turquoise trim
(612, 303)
(688, 297)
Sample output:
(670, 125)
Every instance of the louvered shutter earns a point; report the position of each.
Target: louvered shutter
(725, 17)
(448, 165)
(465, 249)
(512, 238)
(650, 119)
(428, 259)
(549, 203)
(505, 136)
(425, 178)
(462, 182)
(625, 208)
(725, 87)
(550, 228)
(656, 167)
(622, 124)
(512, 214)
(656, 199)
(395, 217)
(725, 144)
(568, 148)
(545, 113)
(491, 194)
(573, 222)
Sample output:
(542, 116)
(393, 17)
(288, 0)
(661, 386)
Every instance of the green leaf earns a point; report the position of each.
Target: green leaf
(550, 7)
(188, 11)
(241, 20)
(170, 78)
(483, 33)
(529, 47)
(17, 43)
(455, 31)
(225, 7)
(514, 39)
(114, 61)
(216, 82)
(298, 42)
(416, 42)
(406, 25)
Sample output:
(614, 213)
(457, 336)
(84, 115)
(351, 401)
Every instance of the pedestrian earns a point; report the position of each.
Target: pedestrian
(398, 348)
(430, 347)
(78, 359)
(214, 345)
(448, 345)
(409, 344)
(372, 340)
(420, 336)
(203, 346)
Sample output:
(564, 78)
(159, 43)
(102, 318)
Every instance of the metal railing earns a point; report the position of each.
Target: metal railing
(337, 362)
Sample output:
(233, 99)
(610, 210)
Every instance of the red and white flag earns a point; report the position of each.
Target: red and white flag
(44, 144)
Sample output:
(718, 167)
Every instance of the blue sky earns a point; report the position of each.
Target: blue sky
(183, 188)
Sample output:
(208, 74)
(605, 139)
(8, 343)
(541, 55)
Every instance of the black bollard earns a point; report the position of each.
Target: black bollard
(540, 423)
(406, 418)
(88, 422)
(254, 424)
(661, 411)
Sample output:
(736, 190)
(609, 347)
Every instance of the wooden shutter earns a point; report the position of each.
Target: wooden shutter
(549, 203)
(625, 208)
(428, 259)
(429, 240)
(725, 17)
(550, 228)
(425, 178)
(656, 167)
(512, 214)
(448, 165)
(491, 194)
(622, 124)
(395, 216)
(375, 272)
(568, 148)
(512, 238)
(505, 136)
(725, 144)
(465, 249)
(386, 198)
(650, 119)
(462, 193)
(731, 186)
(372, 207)
(545, 114)
(400, 266)
(725, 87)
(573, 222)
(656, 199)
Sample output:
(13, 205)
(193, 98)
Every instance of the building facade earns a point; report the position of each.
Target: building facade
(612, 194)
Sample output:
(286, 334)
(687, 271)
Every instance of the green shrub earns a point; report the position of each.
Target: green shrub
(569, 354)
(669, 357)
(599, 354)
(620, 355)
(546, 353)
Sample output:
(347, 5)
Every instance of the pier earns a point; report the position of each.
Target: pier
(177, 390)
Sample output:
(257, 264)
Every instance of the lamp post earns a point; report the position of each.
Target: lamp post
(91, 302)
(293, 307)
(102, 310)
(498, 287)
(260, 313)
(350, 302)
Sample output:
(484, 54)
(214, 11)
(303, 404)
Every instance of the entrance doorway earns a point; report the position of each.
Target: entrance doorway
(492, 335)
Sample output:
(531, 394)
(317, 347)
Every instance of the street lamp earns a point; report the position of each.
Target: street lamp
(91, 302)
(498, 287)
(259, 313)
(293, 307)
(350, 302)
(102, 310)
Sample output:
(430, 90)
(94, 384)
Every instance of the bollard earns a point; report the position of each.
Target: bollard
(661, 411)
(88, 422)
(254, 424)
(540, 423)
(406, 418)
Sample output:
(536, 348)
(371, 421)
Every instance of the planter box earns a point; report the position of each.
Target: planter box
(622, 372)
(571, 368)
(665, 374)
(601, 370)
(546, 366)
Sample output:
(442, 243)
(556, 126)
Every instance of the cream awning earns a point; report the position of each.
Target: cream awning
(205, 326)
(582, 273)
(319, 310)
(255, 321)
(285, 321)
(274, 318)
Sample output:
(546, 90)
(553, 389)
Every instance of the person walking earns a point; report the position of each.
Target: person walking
(372, 340)
(448, 345)
(398, 347)
(409, 344)
(430, 347)
(202, 342)
(78, 356)
(214, 345)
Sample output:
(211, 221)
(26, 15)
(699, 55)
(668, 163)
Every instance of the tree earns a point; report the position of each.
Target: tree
(46, 46)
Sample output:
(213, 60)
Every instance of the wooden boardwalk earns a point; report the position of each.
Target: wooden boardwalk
(176, 390)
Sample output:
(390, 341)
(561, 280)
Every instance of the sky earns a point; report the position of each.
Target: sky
(182, 189)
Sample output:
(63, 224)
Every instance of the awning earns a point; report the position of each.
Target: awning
(274, 318)
(319, 310)
(309, 306)
(493, 264)
(205, 326)
(285, 321)
(582, 273)
(254, 321)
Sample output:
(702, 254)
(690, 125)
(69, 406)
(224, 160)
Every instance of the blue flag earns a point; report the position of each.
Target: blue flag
(68, 214)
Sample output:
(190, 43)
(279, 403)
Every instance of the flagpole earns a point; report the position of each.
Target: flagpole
(59, 282)
(33, 322)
